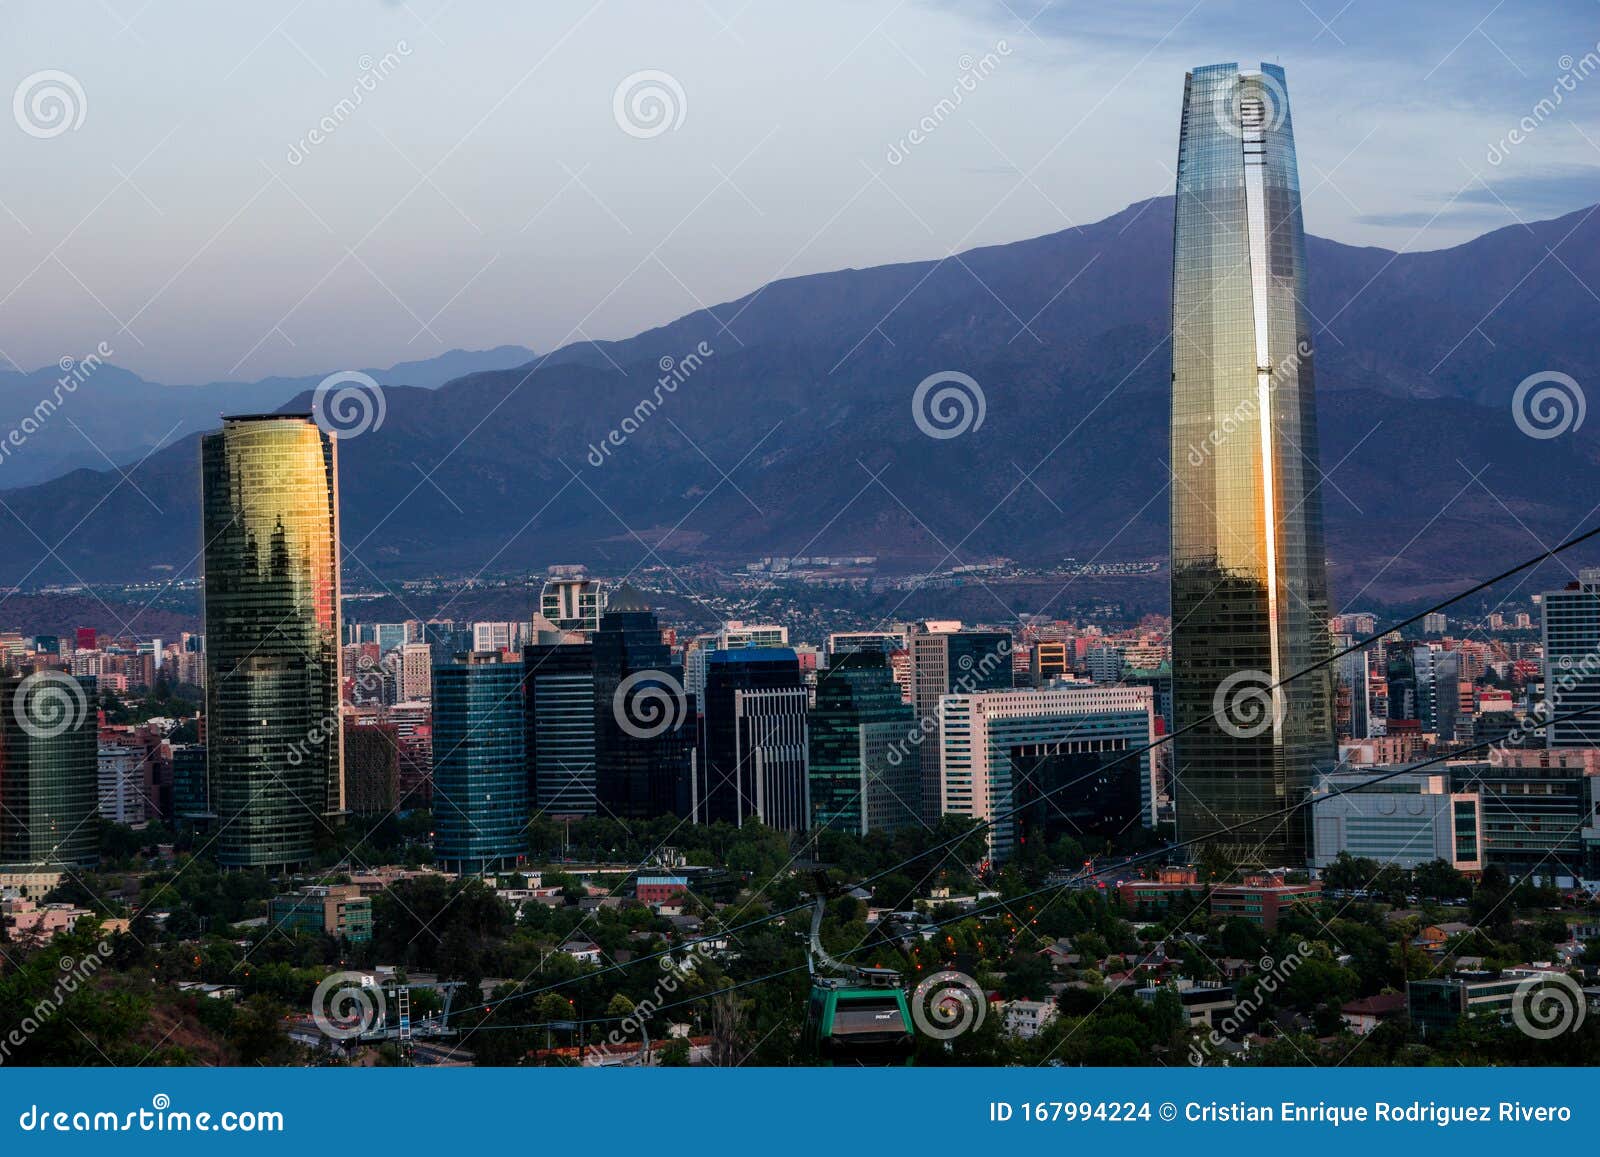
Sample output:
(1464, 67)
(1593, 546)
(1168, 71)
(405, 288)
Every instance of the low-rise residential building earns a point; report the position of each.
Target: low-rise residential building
(1207, 1002)
(1028, 1018)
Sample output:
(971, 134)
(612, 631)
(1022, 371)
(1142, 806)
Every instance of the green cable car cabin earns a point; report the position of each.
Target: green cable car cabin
(860, 1020)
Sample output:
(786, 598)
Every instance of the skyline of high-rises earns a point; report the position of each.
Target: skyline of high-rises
(1249, 580)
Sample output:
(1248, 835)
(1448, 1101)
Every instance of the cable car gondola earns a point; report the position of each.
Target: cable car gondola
(859, 1015)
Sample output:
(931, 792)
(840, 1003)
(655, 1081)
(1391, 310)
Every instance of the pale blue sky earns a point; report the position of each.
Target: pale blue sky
(483, 191)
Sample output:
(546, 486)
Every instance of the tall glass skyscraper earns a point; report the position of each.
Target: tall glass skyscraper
(1249, 582)
(480, 774)
(274, 744)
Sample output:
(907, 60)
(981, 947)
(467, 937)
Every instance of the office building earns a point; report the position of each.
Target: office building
(1438, 675)
(865, 773)
(945, 659)
(1249, 582)
(1408, 820)
(752, 752)
(573, 603)
(121, 798)
(500, 636)
(847, 642)
(644, 719)
(1571, 636)
(558, 690)
(1042, 764)
(48, 771)
(371, 768)
(1047, 660)
(273, 739)
(480, 778)
(336, 910)
(414, 672)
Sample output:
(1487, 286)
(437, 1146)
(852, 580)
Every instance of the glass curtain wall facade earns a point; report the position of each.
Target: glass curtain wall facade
(858, 691)
(480, 776)
(274, 743)
(49, 771)
(559, 689)
(1249, 583)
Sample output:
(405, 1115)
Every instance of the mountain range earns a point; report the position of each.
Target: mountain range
(782, 423)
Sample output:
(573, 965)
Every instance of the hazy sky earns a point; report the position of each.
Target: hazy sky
(484, 188)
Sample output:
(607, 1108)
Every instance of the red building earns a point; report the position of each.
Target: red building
(660, 889)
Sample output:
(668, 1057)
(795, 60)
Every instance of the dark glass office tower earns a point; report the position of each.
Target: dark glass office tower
(643, 718)
(558, 689)
(480, 776)
(1249, 583)
(860, 780)
(48, 771)
(274, 747)
(752, 753)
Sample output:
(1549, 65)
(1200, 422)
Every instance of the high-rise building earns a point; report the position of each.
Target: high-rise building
(1249, 581)
(415, 672)
(946, 659)
(121, 784)
(480, 777)
(865, 775)
(752, 753)
(573, 603)
(274, 742)
(558, 689)
(48, 771)
(371, 768)
(1571, 634)
(1438, 696)
(644, 719)
(1047, 660)
(1042, 764)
